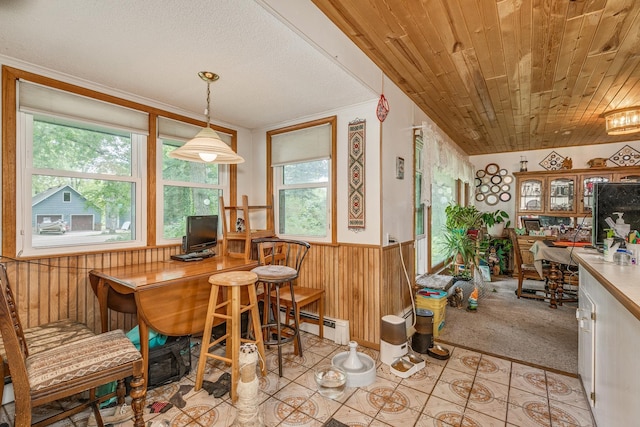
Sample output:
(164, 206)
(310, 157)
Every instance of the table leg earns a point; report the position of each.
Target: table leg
(143, 328)
(554, 276)
(102, 291)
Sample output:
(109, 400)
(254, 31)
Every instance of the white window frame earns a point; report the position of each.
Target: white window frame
(223, 185)
(279, 185)
(24, 161)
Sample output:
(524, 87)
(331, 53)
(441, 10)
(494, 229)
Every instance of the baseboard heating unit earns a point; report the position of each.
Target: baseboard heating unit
(334, 329)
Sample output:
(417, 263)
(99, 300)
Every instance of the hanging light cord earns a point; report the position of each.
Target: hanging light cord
(206, 111)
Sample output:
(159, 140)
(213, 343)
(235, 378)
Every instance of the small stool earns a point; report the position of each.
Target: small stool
(232, 283)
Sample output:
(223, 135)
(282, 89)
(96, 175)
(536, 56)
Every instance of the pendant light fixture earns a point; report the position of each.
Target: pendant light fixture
(206, 146)
(622, 122)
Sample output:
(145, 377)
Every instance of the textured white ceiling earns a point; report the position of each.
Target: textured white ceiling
(155, 48)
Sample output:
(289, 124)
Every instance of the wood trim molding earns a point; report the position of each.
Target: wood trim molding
(332, 120)
(10, 76)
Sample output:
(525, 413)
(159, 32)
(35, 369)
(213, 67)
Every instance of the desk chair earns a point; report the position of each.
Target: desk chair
(526, 269)
(68, 369)
(280, 262)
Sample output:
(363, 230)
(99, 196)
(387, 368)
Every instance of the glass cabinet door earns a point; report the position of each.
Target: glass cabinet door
(530, 196)
(588, 186)
(562, 196)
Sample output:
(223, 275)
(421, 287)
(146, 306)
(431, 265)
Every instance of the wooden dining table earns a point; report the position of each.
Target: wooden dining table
(556, 253)
(169, 297)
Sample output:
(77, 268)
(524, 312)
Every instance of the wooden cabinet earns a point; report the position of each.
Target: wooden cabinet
(564, 193)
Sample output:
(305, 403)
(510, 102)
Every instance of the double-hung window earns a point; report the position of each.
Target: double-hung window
(185, 188)
(301, 158)
(80, 172)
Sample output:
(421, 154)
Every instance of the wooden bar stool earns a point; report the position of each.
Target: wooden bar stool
(280, 264)
(231, 284)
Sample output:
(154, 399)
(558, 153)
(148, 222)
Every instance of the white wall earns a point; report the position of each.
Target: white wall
(511, 161)
(397, 141)
(371, 233)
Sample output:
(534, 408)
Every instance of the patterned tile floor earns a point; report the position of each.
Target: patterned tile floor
(470, 389)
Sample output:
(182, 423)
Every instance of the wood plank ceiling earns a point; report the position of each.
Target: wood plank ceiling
(505, 75)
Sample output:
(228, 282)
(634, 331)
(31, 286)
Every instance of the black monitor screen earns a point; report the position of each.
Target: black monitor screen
(610, 197)
(202, 233)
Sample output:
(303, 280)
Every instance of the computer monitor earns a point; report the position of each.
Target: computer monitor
(202, 233)
(611, 197)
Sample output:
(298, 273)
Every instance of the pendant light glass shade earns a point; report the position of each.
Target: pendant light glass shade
(206, 146)
(622, 122)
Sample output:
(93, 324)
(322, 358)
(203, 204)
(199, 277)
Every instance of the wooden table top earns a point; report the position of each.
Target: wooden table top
(159, 273)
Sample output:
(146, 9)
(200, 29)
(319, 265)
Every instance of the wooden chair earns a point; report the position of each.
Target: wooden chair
(69, 369)
(229, 215)
(524, 265)
(303, 296)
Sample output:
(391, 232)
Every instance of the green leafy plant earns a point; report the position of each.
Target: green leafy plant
(462, 217)
(496, 217)
(457, 242)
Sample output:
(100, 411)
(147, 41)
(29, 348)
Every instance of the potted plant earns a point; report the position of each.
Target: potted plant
(460, 247)
(459, 238)
(462, 217)
(495, 222)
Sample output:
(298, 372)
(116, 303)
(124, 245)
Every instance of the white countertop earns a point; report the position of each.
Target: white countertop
(623, 282)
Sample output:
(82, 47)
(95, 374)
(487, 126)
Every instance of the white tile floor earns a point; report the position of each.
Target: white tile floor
(469, 389)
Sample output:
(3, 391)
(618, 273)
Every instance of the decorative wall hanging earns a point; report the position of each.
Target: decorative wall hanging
(627, 156)
(383, 108)
(492, 184)
(552, 162)
(356, 175)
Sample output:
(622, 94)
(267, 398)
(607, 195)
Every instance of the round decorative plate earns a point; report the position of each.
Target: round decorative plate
(480, 173)
(496, 179)
(491, 199)
(479, 197)
(492, 168)
(507, 179)
(503, 172)
(495, 189)
(505, 197)
(505, 187)
(484, 188)
(478, 182)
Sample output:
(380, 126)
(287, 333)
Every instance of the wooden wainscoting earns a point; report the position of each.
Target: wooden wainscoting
(49, 289)
(362, 284)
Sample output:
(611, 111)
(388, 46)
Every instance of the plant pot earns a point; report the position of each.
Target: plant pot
(496, 230)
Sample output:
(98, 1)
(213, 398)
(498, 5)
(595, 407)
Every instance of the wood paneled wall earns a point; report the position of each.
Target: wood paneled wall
(49, 289)
(362, 284)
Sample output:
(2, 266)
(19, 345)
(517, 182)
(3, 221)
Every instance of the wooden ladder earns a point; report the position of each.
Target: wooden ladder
(229, 232)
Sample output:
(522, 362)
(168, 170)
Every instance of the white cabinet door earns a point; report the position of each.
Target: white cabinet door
(586, 315)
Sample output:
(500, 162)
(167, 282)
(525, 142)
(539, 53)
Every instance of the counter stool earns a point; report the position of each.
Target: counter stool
(280, 263)
(231, 284)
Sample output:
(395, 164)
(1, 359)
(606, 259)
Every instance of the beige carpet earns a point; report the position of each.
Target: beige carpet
(519, 329)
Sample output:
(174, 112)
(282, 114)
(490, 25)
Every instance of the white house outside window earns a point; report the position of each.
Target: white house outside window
(82, 172)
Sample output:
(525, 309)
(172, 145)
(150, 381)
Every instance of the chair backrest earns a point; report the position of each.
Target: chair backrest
(516, 247)
(15, 345)
(274, 251)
